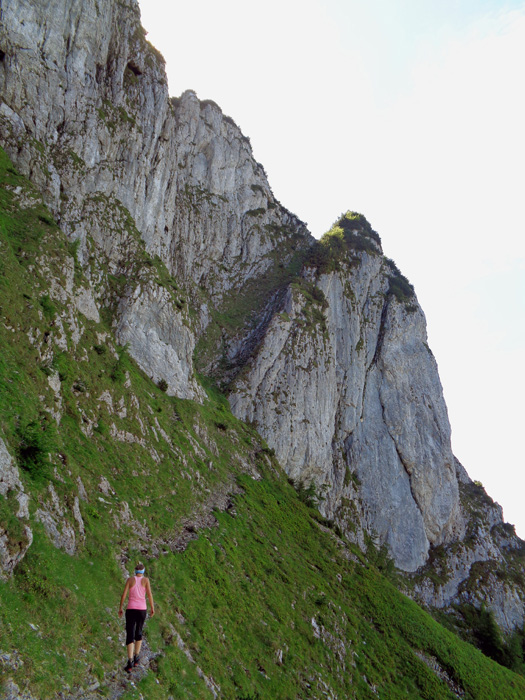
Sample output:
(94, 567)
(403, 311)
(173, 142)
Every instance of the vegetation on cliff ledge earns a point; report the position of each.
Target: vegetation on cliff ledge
(349, 235)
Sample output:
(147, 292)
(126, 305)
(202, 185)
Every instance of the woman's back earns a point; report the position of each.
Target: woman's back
(137, 593)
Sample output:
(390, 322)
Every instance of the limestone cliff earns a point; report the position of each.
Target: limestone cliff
(184, 247)
(85, 113)
(346, 390)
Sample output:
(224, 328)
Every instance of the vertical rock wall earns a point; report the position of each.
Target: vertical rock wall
(347, 392)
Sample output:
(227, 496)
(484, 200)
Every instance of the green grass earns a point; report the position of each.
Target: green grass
(253, 586)
(238, 594)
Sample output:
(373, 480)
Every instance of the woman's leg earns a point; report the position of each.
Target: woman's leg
(141, 618)
(130, 632)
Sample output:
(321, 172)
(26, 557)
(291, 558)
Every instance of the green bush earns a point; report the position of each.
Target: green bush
(46, 219)
(62, 364)
(36, 441)
(48, 307)
(479, 627)
(352, 221)
(399, 287)
(351, 233)
(307, 494)
(485, 631)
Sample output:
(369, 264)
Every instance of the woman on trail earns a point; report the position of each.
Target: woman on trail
(138, 587)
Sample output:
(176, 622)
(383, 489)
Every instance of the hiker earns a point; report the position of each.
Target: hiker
(138, 587)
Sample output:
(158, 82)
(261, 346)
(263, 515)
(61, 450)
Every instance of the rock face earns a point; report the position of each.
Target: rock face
(483, 567)
(85, 113)
(347, 392)
(15, 536)
(186, 249)
(157, 338)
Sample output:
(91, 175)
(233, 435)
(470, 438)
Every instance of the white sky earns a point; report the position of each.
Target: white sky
(413, 113)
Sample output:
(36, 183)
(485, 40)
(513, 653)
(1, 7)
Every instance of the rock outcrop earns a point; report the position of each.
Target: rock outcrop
(15, 534)
(346, 390)
(484, 567)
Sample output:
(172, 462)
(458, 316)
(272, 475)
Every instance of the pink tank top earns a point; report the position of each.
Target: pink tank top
(137, 595)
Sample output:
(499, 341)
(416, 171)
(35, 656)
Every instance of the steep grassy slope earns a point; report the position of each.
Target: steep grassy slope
(256, 597)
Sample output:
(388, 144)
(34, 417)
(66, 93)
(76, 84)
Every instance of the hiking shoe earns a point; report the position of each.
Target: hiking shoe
(135, 660)
(129, 666)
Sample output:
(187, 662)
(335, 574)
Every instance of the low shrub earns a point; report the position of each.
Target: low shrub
(36, 441)
(399, 286)
(351, 233)
(48, 307)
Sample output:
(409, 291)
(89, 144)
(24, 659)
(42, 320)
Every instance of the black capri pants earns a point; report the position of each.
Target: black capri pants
(134, 623)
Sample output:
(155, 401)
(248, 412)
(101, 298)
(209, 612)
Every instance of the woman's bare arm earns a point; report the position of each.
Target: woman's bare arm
(123, 598)
(150, 598)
